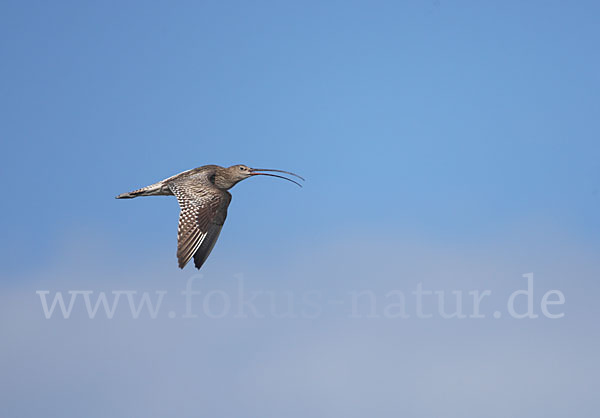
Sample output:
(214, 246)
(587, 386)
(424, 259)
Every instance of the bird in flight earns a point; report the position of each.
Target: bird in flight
(203, 198)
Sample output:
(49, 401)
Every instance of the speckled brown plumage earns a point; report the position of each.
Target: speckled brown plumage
(203, 199)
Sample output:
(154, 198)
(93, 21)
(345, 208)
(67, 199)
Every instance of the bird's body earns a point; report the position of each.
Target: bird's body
(203, 197)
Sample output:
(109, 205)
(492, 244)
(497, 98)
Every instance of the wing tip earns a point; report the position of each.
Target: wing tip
(181, 263)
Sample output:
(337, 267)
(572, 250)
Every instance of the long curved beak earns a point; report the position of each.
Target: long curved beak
(256, 172)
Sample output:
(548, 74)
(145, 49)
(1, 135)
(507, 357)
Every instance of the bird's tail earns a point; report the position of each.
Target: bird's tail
(156, 189)
(129, 195)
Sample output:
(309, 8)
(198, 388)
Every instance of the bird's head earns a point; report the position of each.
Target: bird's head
(236, 173)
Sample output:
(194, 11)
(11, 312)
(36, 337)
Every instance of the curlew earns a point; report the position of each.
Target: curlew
(203, 198)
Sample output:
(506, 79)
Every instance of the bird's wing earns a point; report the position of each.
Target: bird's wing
(203, 213)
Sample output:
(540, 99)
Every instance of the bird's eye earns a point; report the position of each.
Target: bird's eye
(242, 168)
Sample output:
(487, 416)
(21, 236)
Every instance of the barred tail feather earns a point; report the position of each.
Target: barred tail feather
(157, 189)
(126, 196)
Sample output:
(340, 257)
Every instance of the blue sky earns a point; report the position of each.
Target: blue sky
(454, 143)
